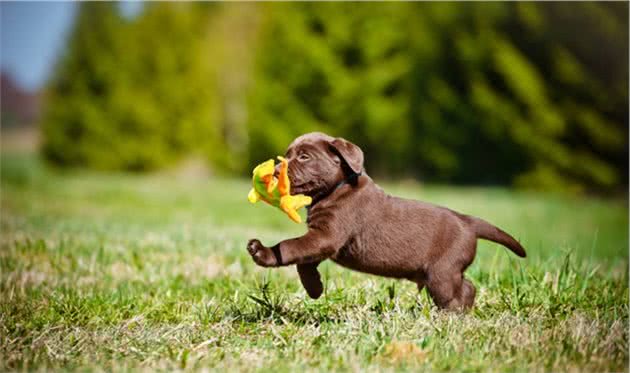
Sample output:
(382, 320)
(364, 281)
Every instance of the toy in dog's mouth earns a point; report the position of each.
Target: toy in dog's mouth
(276, 191)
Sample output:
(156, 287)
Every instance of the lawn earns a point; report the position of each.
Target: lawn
(118, 271)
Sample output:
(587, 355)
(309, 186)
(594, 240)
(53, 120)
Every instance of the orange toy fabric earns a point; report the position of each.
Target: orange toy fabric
(276, 192)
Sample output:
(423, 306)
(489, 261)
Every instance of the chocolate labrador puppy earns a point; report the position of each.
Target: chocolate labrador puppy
(356, 224)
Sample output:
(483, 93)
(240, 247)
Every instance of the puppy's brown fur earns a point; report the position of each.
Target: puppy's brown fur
(355, 224)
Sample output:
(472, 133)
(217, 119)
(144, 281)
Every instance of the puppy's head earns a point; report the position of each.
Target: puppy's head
(318, 162)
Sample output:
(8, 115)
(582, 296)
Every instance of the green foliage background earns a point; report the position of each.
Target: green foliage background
(530, 94)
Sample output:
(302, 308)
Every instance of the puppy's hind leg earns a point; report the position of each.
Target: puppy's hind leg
(420, 279)
(468, 292)
(451, 291)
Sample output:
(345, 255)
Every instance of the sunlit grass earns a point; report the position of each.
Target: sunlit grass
(120, 271)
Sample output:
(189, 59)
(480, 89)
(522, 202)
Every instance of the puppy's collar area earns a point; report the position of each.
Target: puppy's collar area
(352, 179)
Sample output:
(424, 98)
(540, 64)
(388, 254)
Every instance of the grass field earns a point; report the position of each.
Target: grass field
(115, 271)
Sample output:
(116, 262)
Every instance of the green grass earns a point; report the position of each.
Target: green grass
(115, 271)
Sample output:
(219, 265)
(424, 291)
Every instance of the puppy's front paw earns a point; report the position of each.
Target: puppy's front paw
(263, 256)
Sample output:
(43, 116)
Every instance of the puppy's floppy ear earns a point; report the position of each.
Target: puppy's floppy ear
(349, 154)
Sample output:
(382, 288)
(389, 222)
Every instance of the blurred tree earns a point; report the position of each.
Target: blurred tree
(515, 93)
(75, 115)
(468, 93)
(169, 88)
(490, 93)
(233, 33)
(336, 68)
(134, 94)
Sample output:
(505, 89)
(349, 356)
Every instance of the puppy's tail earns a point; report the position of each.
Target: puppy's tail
(487, 231)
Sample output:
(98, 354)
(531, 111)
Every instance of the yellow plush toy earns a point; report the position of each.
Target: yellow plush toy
(276, 192)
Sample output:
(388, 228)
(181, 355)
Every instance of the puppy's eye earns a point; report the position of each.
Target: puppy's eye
(303, 157)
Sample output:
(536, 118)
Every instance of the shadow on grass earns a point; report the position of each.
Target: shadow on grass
(341, 306)
(267, 305)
